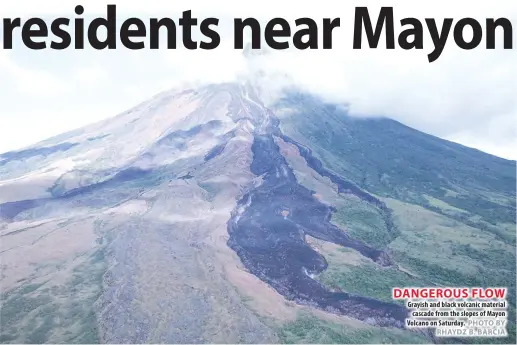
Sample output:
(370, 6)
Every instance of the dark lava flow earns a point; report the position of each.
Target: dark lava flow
(267, 230)
(343, 185)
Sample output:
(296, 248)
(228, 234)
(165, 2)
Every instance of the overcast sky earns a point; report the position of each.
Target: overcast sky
(465, 96)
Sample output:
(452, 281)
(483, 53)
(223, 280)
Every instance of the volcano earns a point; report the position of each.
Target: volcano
(206, 215)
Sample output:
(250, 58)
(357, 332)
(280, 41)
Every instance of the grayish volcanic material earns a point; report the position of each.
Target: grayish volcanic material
(203, 216)
(272, 246)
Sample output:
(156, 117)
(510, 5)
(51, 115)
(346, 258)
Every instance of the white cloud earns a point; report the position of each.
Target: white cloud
(464, 96)
(31, 81)
(467, 97)
(91, 74)
(26, 127)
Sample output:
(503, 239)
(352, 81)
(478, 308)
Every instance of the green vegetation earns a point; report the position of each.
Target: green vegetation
(44, 312)
(396, 161)
(363, 221)
(454, 208)
(367, 280)
(448, 252)
(312, 330)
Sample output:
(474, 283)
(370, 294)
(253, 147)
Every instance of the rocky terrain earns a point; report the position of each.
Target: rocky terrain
(207, 215)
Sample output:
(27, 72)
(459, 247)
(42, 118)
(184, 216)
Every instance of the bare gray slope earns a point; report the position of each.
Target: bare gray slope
(129, 227)
(192, 218)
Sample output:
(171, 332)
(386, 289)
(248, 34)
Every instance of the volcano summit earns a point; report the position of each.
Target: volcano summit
(205, 215)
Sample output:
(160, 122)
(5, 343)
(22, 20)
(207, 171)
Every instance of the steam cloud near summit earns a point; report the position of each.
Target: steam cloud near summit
(465, 96)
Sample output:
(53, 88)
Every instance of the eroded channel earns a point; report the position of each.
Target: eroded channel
(267, 230)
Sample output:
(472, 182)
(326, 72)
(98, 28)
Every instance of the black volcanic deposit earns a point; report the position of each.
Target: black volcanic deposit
(343, 185)
(173, 222)
(268, 228)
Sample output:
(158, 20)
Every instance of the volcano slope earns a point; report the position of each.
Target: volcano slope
(205, 216)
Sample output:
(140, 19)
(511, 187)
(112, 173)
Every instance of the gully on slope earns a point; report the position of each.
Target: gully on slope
(271, 242)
